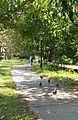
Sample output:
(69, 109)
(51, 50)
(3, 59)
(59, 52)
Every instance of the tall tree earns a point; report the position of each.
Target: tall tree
(56, 20)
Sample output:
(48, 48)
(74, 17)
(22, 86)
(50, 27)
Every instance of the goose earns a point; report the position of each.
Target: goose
(40, 84)
(48, 80)
(57, 85)
(41, 77)
(55, 91)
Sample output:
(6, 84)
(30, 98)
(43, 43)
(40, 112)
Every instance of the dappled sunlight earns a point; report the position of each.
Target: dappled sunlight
(6, 68)
(64, 95)
(34, 92)
(7, 91)
(41, 99)
(28, 85)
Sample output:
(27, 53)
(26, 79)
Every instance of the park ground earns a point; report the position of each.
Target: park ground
(11, 106)
(41, 100)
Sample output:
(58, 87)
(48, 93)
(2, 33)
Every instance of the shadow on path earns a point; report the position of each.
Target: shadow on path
(41, 100)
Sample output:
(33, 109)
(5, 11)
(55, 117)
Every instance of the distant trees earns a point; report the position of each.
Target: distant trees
(56, 20)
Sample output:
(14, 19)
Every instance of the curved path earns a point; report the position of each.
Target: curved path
(41, 100)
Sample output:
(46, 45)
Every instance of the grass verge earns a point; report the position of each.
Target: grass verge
(11, 107)
(68, 76)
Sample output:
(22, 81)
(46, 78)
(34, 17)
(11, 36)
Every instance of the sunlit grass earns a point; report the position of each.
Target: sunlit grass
(11, 107)
(66, 77)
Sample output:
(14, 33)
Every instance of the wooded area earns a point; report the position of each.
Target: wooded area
(23, 21)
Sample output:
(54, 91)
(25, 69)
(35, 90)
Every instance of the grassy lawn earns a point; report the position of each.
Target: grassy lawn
(11, 107)
(68, 76)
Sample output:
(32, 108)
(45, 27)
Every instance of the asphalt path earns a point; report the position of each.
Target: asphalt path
(41, 100)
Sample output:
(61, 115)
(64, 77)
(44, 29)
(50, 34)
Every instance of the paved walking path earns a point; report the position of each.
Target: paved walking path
(75, 67)
(41, 100)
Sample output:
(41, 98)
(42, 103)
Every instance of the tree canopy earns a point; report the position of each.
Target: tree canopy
(55, 20)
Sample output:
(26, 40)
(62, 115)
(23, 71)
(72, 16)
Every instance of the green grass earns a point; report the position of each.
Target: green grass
(66, 76)
(11, 106)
